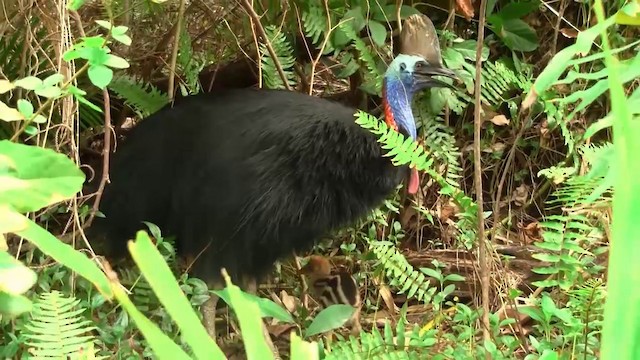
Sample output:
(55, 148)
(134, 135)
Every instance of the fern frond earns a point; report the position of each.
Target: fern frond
(56, 329)
(400, 273)
(404, 151)
(391, 344)
(144, 99)
(284, 51)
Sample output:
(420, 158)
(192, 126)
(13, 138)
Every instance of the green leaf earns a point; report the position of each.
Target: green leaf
(28, 83)
(330, 318)
(32, 177)
(123, 38)
(355, 18)
(48, 92)
(517, 10)
(301, 349)
(25, 108)
(52, 80)
(65, 254)
(39, 119)
(14, 305)
(15, 278)
(9, 114)
(100, 75)
(517, 35)
(116, 62)
(378, 32)
(74, 5)
(104, 23)
(163, 347)
(250, 321)
(164, 285)
(267, 307)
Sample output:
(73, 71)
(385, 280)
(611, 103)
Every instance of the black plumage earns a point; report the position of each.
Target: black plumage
(243, 177)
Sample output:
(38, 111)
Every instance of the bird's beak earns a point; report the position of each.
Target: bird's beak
(424, 76)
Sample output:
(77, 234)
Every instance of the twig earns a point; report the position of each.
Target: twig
(174, 52)
(477, 157)
(106, 150)
(256, 19)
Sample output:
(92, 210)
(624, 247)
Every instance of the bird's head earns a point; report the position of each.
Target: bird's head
(406, 75)
(415, 73)
(317, 266)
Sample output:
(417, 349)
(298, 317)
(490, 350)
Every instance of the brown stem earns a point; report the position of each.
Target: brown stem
(477, 162)
(174, 52)
(256, 19)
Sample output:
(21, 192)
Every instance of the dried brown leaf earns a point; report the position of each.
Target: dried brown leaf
(530, 98)
(520, 195)
(288, 301)
(466, 8)
(500, 120)
(570, 33)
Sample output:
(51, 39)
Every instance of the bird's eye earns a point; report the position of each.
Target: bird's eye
(418, 65)
(403, 66)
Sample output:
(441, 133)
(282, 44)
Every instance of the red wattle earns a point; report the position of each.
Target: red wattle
(414, 181)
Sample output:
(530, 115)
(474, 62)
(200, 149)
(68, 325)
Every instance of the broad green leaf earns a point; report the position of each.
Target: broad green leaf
(25, 108)
(39, 119)
(251, 324)
(100, 75)
(161, 344)
(15, 278)
(52, 80)
(104, 23)
(66, 255)
(516, 10)
(10, 220)
(122, 38)
(9, 114)
(119, 30)
(378, 32)
(330, 318)
(517, 35)
(6, 85)
(301, 349)
(48, 92)
(93, 41)
(74, 5)
(164, 285)
(116, 62)
(355, 18)
(38, 177)
(14, 305)
(267, 307)
(468, 49)
(28, 83)
(629, 14)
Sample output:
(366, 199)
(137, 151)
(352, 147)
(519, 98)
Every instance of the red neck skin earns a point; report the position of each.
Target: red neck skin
(414, 178)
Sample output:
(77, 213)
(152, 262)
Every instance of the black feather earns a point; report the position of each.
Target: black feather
(253, 174)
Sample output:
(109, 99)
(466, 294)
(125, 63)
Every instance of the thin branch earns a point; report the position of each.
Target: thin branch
(477, 162)
(174, 52)
(258, 25)
(106, 150)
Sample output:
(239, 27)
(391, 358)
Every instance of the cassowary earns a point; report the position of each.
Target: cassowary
(244, 177)
(337, 288)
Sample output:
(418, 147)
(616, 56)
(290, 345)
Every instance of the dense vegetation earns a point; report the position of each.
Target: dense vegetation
(521, 272)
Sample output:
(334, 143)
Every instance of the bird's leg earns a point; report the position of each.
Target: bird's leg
(251, 286)
(356, 327)
(208, 310)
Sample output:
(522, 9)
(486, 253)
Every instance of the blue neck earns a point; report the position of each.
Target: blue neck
(399, 98)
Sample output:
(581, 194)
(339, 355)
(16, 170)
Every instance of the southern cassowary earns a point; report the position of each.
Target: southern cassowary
(242, 178)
